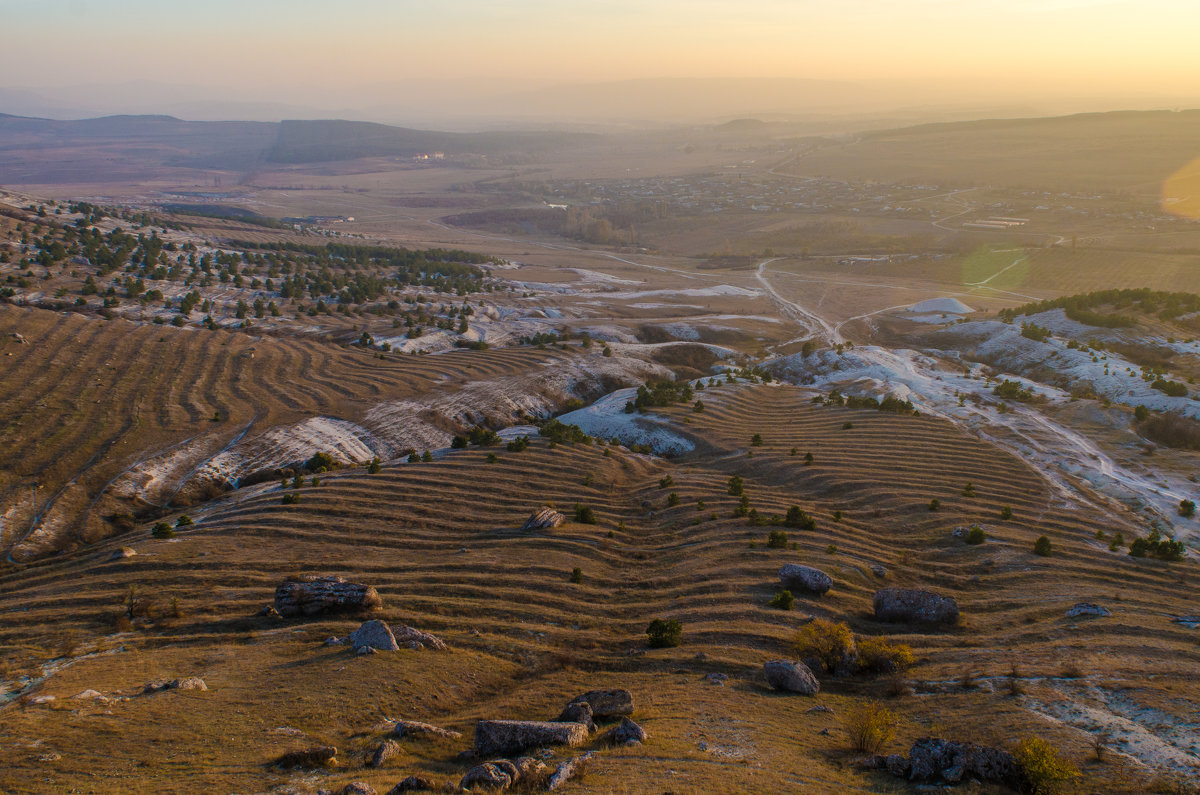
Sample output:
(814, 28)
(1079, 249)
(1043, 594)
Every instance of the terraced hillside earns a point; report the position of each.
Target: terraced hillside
(83, 401)
(439, 541)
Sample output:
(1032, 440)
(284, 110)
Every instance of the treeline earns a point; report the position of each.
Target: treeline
(1081, 308)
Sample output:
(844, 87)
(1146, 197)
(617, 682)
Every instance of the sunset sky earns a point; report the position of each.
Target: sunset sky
(314, 51)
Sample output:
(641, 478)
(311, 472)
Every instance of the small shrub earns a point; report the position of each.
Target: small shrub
(666, 483)
(162, 530)
(798, 519)
(969, 490)
(756, 440)
(847, 425)
(576, 575)
(458, 443)
(664, 633)
(1187, 509)
(1042, 546)
(736, 486)
(976, 535)
(777, 539)
(870, 726)
(831, 549)
(881, 655)
(1006, 513)
(183, 521)
(320, 462)
(584, 514)
(519, 445)
(934, 504)
(1044, 770)
(375, 466)
(291, 498)
(672, 500)
(832, 643)
(698, 406)
(837, 516)
(808, 459)
(426, 456)
(491, 458)
(783, 600)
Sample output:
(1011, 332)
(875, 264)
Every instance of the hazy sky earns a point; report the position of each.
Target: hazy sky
(315, 50)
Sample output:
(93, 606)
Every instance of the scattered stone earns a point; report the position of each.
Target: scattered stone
(820, 708)
(285, 731)
(546, 518)
(386, 750)
(122, 553)
(407, 636)
(608, 704)
(791, 676)
(508, 767)
(487, 775)
(332, 641)
(159, 685)
(1087, 609)
(317, 756)
(415, 729)
(411, 784)
(628, 733)
(50, 757)
(716, 678)
(269, 612)
(413, 645)
(358, 788)
(90, 695)
(40, 700)
(528, 767)
(20, 339)
(309, 595)
(566, 770)
(913, 605)
(797, 578)
(878, 570)
(495, 737)
(945, 761)
(577, 712)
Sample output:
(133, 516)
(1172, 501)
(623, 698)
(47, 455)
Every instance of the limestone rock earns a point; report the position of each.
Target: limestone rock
(910, 605)
(387, 749)
(310, 595)
(878, 570)
(413, 729)
(159, 685)
(122, 553)
(317, 756)
(791, 676)
(544, 519)
(566, 770)
(804, 579)
(508, 767)
(577, 712)
(358, 788)
(627, 733)
(486, 775)
(374, 634)
(1087, 609)
(527, 766)
(607, 704)
(716, 678)
(935, 760)
(411, 784)
(407, 636)
(495, 737)
(90, 695)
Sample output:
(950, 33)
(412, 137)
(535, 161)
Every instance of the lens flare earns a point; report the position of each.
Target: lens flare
(1181, 191)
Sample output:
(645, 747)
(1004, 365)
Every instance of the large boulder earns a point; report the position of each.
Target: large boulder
(310, 595)
(488, 776)
(416, 729)
(910, 605)
(577, 712)
(804, 579)
(387, 749)
(607, 704)
(373, 634)
(498, 737)
(544, 519)
(935, 760)
(791, 676)
(627, 733)
(412, 784)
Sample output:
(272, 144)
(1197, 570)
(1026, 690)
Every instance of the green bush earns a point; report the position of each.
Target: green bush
(291, 498)
(832, 643)
(698, 406)
(162, 530)
(808, 459)
(375, 466)
(1042, 546)
(664, 633)
(666, 483)
(969, 489)
(870, 726)
(777, 539)
(881, 655)
(976, 535)
(1187, 509)
(457, 443)
(736, 486)
(576, 575)
(1155, 546)
(1045, 771)
(783, 600)
(518, 445)
(798, 519)
(934, 504)
(584, 514)
(319, 462)
(756, 440)
(672, 500)
(483, 437)
(1006, 513)
(183, 521)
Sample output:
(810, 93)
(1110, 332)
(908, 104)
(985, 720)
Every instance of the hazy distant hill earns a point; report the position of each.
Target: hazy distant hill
(318, 141)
